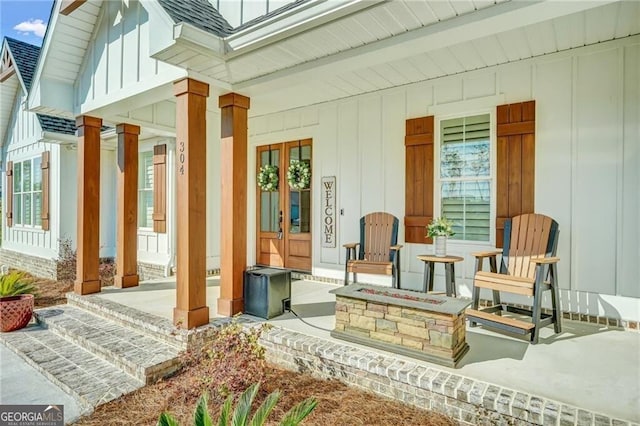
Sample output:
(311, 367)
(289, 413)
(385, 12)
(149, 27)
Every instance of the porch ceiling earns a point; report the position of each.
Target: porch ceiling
(448, 49)
(8, 94)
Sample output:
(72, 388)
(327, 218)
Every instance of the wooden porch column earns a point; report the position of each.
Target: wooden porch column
(191, 107)
(233, 206)
(88, 253)
(127, 205)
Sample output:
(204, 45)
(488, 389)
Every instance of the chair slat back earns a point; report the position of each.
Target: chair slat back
(527, 236)
(378, 232)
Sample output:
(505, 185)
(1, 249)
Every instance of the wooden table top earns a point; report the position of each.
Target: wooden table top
(438, 259)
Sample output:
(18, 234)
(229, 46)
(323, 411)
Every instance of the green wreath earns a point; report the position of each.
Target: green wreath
(268, 178)
(299, 175)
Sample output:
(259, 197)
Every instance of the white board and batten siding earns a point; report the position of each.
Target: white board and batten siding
(587, 173)
(117, 64)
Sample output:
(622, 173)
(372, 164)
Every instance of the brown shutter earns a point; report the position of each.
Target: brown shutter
(516, 162)
(45, 189)
(419, 179)
(160, 188)
(9, 193)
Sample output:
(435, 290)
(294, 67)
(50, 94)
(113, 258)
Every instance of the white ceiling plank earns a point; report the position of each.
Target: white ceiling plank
(390, 73)
(373, 78)
(348, 33)
(387, 20)
(368, 22)
(421, 11)
(339, 83)
(481, 4)
(446, 61)
(462, 6)
(403, 15)
(541, 38)
(600, 23)
(515, 45)
(426, 65)
(467, 55)
(628, 19)
(490, 50)
(442, 9)
(569, 31)
(361, 85)
(407, 69)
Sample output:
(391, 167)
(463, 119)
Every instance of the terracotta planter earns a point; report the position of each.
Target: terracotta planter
(15, 311)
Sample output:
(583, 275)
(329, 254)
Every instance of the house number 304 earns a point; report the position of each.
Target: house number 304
(181, 158)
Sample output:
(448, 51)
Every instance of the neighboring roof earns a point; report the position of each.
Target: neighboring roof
(53, 124)
(26, 58)
(202, 14)
(199, 13)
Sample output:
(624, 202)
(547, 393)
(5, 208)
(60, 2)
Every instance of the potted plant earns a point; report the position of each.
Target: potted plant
(16, 301)
(439, 229)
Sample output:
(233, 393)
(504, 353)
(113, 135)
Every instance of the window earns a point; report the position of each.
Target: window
(465, 176)
(27, 192)
(145, 190)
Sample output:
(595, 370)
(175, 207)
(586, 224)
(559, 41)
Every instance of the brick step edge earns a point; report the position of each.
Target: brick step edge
(151, 325)
(147, 375)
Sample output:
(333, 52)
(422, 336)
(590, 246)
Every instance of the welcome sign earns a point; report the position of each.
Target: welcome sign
(328, 211)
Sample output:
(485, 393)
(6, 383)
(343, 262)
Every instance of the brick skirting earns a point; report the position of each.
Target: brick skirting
(35, 265)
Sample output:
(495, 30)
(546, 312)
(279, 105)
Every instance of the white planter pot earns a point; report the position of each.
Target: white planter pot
(440, 244)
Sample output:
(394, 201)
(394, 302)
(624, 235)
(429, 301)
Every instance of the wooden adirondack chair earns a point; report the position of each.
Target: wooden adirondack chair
(528, 260)
(378, 252)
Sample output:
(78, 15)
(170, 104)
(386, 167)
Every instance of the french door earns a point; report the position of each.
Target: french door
(284, 215)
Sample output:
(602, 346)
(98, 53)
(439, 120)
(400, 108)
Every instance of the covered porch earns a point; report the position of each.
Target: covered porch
(588, 374)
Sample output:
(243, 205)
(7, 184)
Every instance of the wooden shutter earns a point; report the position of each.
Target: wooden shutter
(515, 162)
(45, 189)
(9, 192)
(160, 188)
(419, 179)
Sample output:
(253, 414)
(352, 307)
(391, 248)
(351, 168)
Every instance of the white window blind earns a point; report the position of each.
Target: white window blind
(465, 176)
(145, 190)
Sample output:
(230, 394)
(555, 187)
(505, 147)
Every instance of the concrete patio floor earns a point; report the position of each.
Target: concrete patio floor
(590, 366)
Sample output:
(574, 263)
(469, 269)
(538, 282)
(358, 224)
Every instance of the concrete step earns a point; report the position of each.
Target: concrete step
(83, 375)
(142, 322)
(138, 354)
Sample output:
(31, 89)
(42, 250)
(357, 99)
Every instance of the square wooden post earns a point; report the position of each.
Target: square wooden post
(233, 206)
(191, 117)
(127, 205)
(88, 253)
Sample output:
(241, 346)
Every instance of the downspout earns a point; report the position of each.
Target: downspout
(171, 209)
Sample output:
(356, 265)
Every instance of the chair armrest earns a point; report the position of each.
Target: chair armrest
(351, 245)
(397, 247)
(544, 260)
(486, 253)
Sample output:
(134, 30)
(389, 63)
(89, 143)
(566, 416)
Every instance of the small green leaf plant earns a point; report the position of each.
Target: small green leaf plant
(16, 283)
(440, 227)
(242, 412)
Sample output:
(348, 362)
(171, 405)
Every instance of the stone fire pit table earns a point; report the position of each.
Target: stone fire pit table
(419, 325)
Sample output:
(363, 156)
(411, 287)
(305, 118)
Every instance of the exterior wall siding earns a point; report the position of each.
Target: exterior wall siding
(587, 164)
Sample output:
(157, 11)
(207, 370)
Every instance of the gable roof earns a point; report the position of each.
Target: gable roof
(25, 56)
(53, 124)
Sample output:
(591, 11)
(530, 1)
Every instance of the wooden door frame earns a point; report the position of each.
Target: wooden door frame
(285, 198)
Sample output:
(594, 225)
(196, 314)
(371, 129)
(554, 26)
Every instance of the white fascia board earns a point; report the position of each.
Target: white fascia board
(59, 96)
(298, 19)
(492, 20)
(33, 101)
(199, 40)
(58, 138)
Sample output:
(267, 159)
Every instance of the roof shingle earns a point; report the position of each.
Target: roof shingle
(26, 57)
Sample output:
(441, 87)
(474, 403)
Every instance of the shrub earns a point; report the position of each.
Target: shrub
(67, 260)
(241, 414)
(230, 362)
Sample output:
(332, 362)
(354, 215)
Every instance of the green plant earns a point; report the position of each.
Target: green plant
(241, 414)
(16, 283)
(299, 175)
(440, 227)
(268, 178)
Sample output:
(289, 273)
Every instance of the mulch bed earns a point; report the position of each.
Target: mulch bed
(338, 404)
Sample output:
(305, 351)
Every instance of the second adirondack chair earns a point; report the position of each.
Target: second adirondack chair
(528, 267)
(377, 252)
